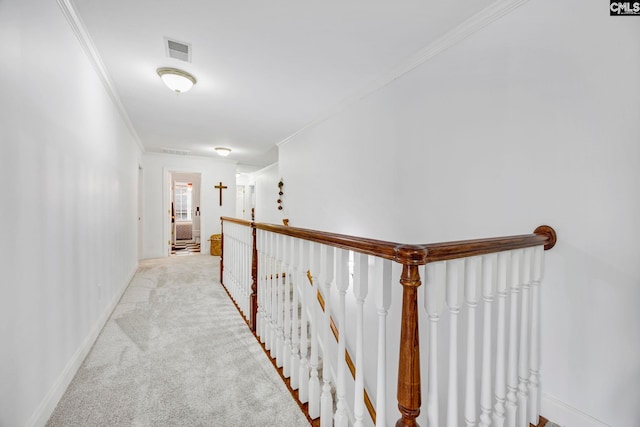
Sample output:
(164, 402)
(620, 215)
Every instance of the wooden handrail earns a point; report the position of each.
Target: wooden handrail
(237, 220)
(413, 254)
(543, 235)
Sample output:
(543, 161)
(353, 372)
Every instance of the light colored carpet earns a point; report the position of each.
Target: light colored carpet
(175, 352)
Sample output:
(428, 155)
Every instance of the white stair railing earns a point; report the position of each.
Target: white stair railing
(237, 244)
(508, 346)
(324, 302)
(304, 302)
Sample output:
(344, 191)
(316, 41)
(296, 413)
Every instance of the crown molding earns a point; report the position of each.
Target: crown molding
(79, 29)
(472, 25)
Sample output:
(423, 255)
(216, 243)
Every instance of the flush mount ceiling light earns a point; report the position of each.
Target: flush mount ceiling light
(177, 80)
(223, 151)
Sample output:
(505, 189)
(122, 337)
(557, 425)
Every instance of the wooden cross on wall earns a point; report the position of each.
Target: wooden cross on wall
(220, 187)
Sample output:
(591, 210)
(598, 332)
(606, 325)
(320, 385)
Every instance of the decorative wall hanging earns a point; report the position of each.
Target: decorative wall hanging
(280, 194)
(220, 187)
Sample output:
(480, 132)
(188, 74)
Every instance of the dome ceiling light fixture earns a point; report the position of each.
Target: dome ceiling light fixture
(223, 151)
(177, 80)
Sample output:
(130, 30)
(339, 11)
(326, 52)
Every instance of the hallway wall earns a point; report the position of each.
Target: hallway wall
(156, 204)
(531, 120)
(69, 169)
(266, 182)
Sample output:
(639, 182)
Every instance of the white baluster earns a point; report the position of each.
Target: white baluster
(229, 258)
(314, 309)
(489, 281)
(241, 271)
(303, 392)
(237, 291)
(455, 297)
(341, 418)
(326, 403)
(512, 368)
(237, 273)
(234, 260)
(263, 272)
(232, 264)
(247, 272)
(260, 286)
(523, 361)
(504, 275)
(227, 254)
(264, 289)
(268, 327)
(286, 290)
(534, 375)
(361, 273)
(233, 273)
(434, 296)
(295, 333)
(273, 281)
(279, 302)
(473, 278)
(382, 294)
(236, 268)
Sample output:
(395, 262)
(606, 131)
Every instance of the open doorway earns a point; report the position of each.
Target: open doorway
(185, 213)
(245, 200)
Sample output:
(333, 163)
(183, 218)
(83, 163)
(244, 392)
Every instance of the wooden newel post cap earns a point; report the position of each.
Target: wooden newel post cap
(550, 233)
(410, 254)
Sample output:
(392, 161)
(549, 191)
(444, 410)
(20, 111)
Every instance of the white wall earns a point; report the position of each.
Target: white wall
(534, 119)
(157, 204)
(68, 166)
(266, 188)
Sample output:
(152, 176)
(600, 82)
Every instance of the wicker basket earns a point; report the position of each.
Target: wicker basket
(216, 244)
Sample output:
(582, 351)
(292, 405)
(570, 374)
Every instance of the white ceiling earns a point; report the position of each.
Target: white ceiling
(265, 69)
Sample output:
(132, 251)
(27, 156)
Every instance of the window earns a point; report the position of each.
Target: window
(183, 201)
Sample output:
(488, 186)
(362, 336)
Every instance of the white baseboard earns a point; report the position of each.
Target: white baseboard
(50, 401)
(565, 415)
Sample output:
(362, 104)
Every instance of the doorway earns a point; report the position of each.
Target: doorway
(245, 201)
(184, 213)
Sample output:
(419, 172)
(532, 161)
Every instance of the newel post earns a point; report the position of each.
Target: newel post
(221, 250)
(409, 398)
(253, 298)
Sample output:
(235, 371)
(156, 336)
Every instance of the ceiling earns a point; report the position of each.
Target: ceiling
(264, 69)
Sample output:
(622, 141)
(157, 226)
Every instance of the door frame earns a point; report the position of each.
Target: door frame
(167, 173)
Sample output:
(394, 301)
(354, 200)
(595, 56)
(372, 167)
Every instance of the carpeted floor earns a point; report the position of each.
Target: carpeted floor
(175, 352)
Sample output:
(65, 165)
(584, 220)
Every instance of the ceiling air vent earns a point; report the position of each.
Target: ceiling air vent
(176, 151)
(178, 50)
